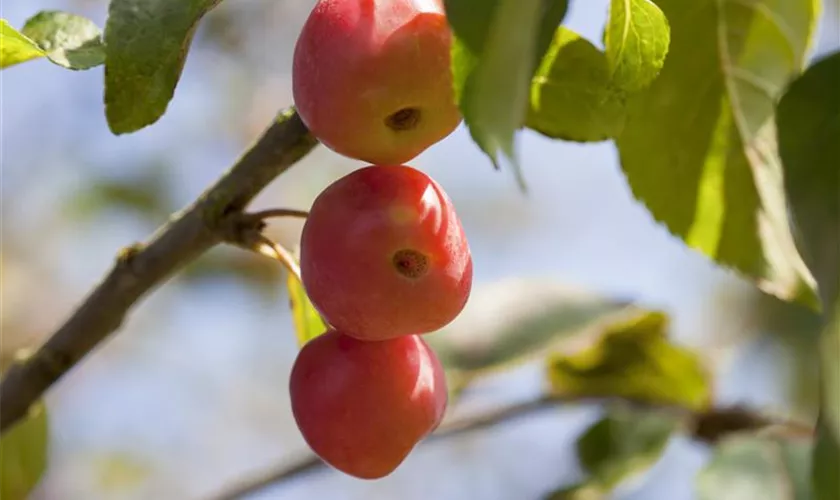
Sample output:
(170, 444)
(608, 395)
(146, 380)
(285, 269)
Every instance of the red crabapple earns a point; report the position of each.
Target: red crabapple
(372, 79)
(383, 254)
(363, 406)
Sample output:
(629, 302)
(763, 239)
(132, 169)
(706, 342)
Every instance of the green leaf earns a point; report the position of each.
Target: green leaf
(698, 145)
(572, 95)
(808, 123)
(636, 39)
(515, 320)
(68, 40)
(497, 47)
(826, 481)
(307, 320)
(23, 449)
(16, 48)
(146, 44)
(826, 461)
(633, 359)
(472, 22)
(749, 467)
(624, 444)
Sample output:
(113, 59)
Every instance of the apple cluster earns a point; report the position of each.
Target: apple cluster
(383, 258)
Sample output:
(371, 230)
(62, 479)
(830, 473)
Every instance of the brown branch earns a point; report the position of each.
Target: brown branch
(142, 267)
(276, 475)
(708, 426)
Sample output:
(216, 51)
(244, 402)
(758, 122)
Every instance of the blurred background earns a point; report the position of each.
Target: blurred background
(191, 395)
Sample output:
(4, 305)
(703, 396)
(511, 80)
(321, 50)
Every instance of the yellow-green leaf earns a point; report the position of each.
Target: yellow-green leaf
(15, 47)
(68, 40)
(308, 323)
(698, 145)
(118, 474)
(23, 454)
(572, 94)
(634, 359)
(636, 40)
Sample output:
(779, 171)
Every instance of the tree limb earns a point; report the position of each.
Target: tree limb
(707, 426)
(140, 268)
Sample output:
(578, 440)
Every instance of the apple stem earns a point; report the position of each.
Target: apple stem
(271, 249)
(278, 212)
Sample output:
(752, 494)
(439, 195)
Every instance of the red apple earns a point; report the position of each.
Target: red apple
(383, 254)
(363, 406)
(372, 79)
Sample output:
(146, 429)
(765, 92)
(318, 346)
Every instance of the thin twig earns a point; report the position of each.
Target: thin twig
(142, 267)
(708, 426)
(278, 212)
(284, 472)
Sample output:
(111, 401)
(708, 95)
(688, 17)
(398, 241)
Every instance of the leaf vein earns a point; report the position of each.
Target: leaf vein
(768, 88)
(775, 19)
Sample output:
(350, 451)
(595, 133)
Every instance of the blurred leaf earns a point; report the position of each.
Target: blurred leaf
(227, 28)
(456, 383)
(808, 122)
(572, 96)
(636, 39)
(749, 467)
(23, 449)
(513, 320)
(795, 329)
(308, 322)
(698, 145)
(796, 456)
(623, 444)
(68, 40)
(145, 196)
(826, 460)
(633, 359)
(496, 51)
(16, 48)
(578, 492)
(120, 473)
(146, 44)
(231, 263)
